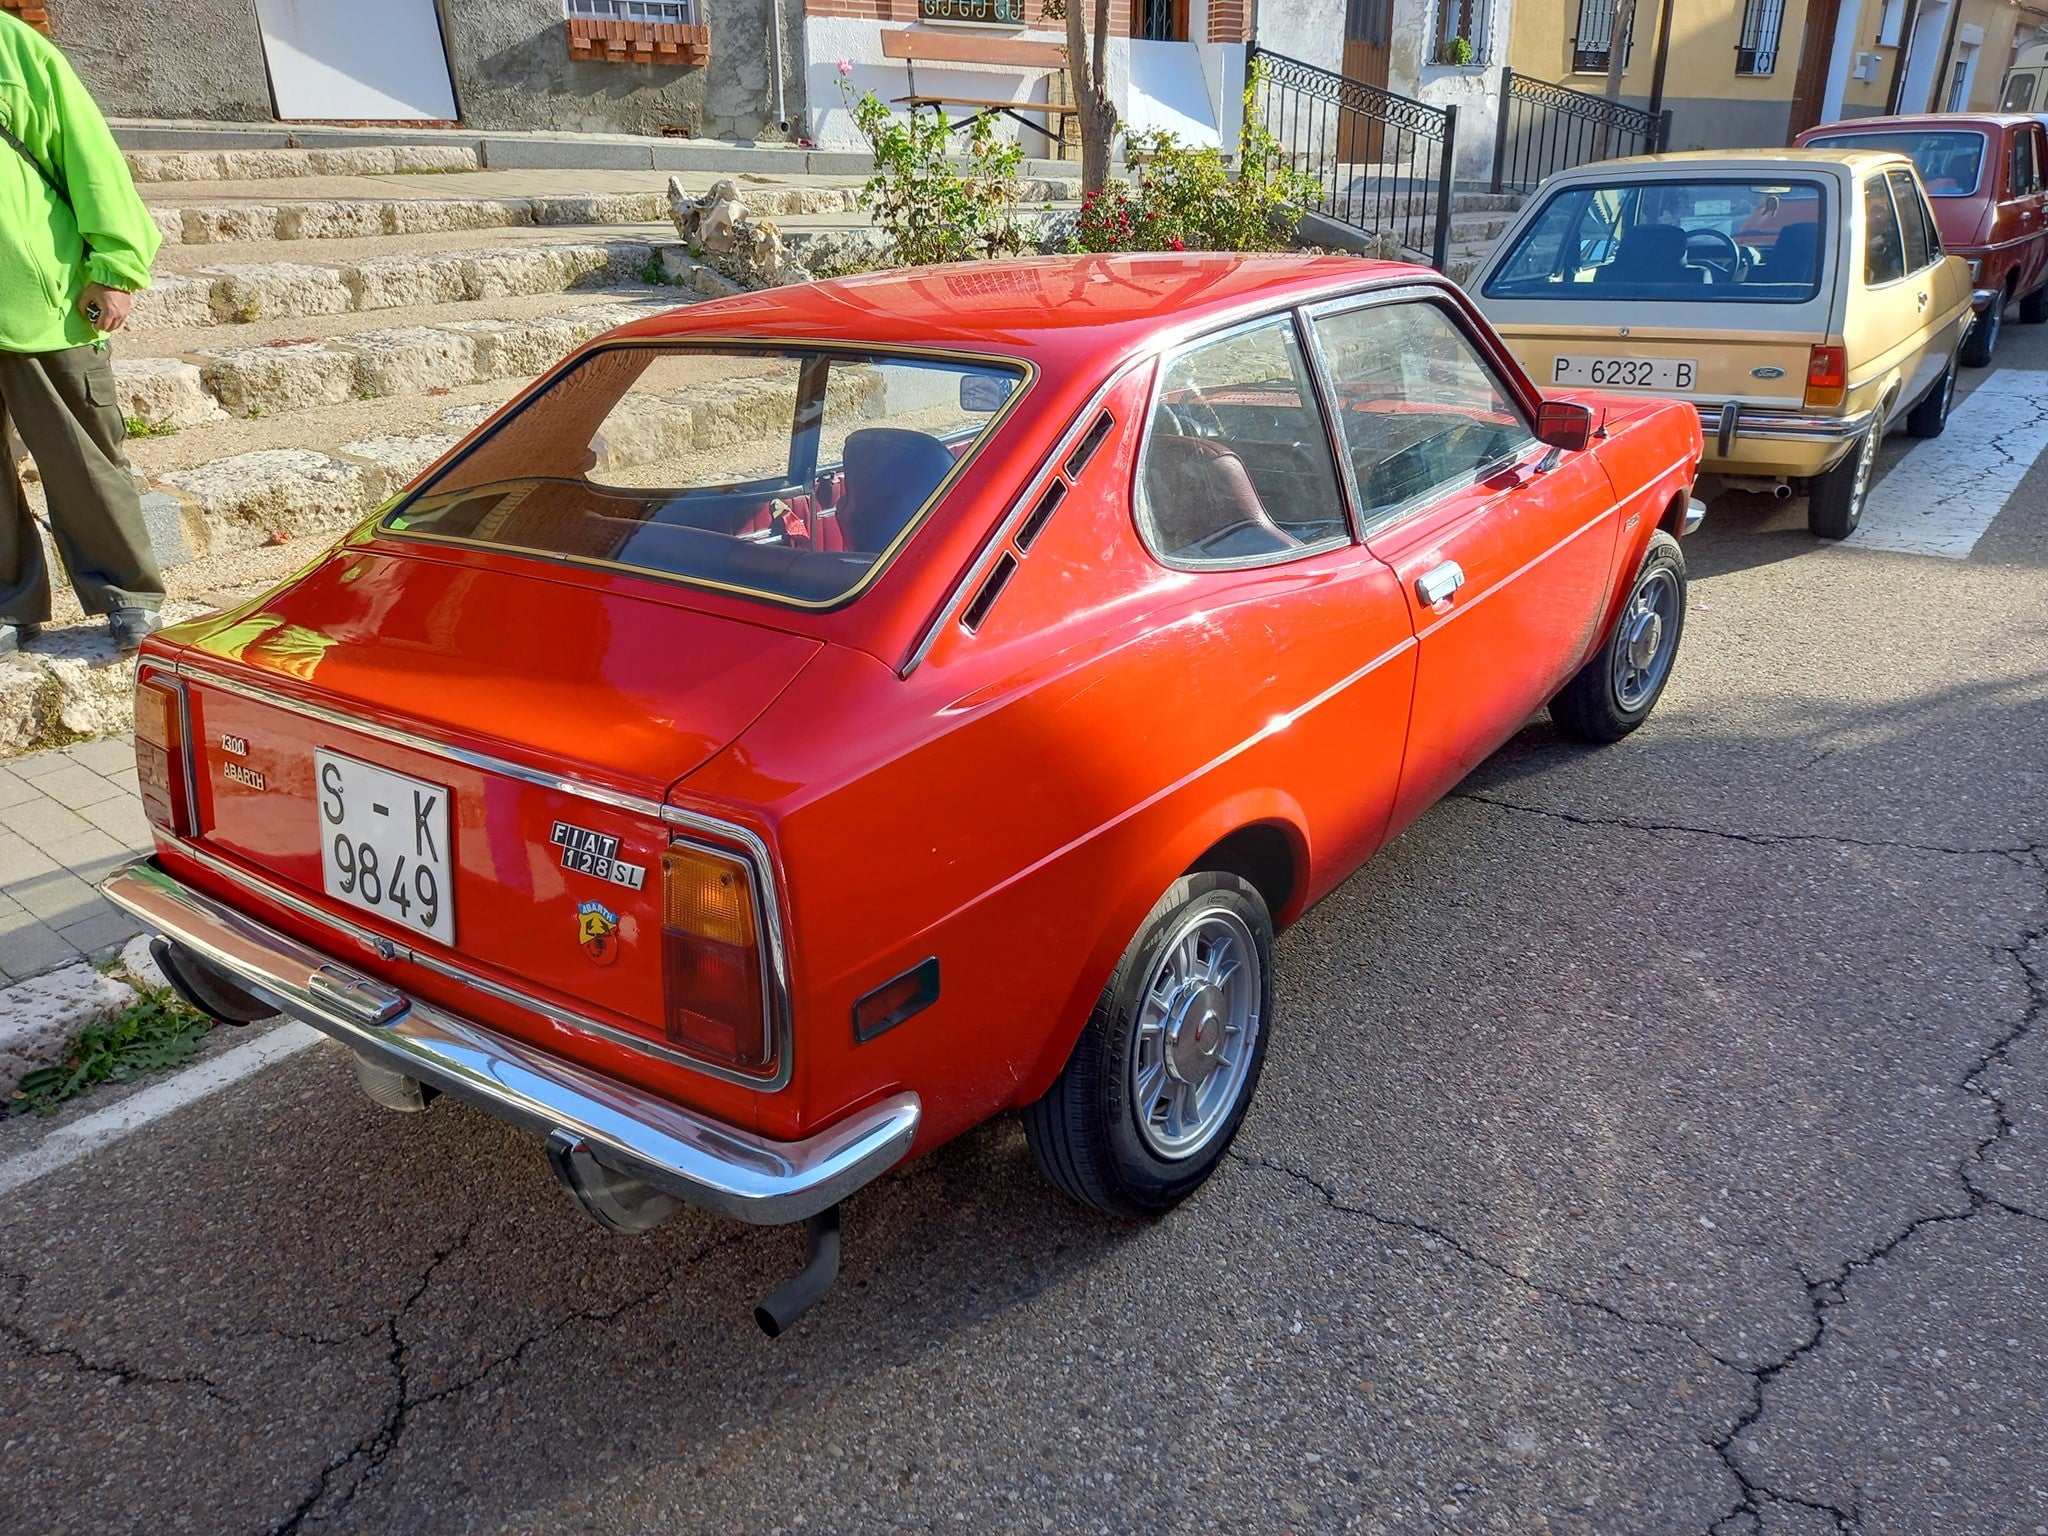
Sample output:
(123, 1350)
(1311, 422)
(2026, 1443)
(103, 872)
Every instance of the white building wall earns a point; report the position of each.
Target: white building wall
(1473, 89)
(1309, 30)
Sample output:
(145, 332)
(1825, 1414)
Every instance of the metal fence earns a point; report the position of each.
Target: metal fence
(1543, 128)
(1382, 160)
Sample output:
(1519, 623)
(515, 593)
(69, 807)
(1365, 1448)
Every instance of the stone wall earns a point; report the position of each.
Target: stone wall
(510, 57)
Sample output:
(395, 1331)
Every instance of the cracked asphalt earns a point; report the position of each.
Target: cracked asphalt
(1653, 1139)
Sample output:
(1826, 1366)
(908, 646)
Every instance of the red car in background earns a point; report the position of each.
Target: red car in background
(811, 723)
(1987, 175)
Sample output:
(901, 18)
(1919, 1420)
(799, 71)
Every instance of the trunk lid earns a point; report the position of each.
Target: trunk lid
(1755, 365)
(471, 761)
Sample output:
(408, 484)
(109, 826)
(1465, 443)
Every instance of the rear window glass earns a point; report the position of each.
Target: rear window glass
(1683, 241)
(1949, 161)
(786, 473)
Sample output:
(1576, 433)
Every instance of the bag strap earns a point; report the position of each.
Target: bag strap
(41, 170)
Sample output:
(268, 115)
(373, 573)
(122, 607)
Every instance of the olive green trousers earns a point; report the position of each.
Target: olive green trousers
(64, 406)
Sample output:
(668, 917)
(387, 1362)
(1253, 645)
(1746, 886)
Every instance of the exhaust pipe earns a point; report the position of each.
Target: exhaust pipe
(616, 1201)
(778, 1313)
(1778, 489)
(392, 1088)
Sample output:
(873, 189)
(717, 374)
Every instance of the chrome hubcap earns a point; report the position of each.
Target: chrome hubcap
(1195, 1032)
(1649, 630)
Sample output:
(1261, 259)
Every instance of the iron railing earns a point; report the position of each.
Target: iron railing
(1541, 128)
(1382, 160)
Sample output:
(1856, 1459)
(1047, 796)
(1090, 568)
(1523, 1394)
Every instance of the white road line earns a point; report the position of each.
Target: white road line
(1943, 494)
(83, 1137)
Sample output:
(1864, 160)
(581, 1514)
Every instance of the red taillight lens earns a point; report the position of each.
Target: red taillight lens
(1827, 376)
(711, 958)
(160, 758)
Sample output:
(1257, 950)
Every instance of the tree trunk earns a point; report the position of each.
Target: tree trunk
(1089, 74)
(1617, 61)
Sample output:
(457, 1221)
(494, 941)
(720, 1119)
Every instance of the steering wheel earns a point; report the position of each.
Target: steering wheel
(1733, 270)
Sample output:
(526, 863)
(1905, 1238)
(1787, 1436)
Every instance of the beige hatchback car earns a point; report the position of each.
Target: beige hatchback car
(1800, 299)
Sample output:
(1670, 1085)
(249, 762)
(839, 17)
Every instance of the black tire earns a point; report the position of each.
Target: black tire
(1930, 417)
(1834, 501)
(1615, 691)
(1085, 1133)
(2034, 307)
(1981, 340)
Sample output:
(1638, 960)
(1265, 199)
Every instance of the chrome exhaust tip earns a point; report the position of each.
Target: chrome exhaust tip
(392, 1089)
(616, 1201)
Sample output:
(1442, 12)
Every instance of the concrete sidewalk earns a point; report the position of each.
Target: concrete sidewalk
(68, 819)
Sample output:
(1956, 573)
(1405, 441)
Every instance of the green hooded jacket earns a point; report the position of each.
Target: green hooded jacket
(43, 266)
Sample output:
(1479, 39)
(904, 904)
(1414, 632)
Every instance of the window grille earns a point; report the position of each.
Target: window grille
(1462, 18)
(1757, 53)
(1591, 47)
(675, 13)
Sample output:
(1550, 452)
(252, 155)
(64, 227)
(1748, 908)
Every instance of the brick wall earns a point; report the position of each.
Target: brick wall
(1230, 21)
(906, 11)
(30, 11)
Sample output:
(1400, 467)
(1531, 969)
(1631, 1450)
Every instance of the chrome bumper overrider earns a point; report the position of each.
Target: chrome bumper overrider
(1724, 424)
(1980, 298)
(721, 1168)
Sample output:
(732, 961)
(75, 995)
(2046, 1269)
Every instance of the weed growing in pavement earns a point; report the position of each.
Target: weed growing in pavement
(136, 426)
(930, 210)
(654, 272)
(154, 1033)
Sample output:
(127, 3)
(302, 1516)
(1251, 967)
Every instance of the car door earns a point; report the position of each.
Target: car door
(1890, 339)
(1503, 547)
(1940, 287)
(2025, 198)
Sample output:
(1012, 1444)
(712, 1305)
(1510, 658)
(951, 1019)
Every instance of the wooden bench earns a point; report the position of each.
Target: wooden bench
(914, 45)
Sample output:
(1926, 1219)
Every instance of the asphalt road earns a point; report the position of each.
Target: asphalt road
(1653, 1139)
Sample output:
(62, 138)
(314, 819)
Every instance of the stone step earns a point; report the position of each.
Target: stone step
(239, 294)
(154, 165)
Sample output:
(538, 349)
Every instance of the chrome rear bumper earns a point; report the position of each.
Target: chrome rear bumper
(1723, 425)
(719, 1167)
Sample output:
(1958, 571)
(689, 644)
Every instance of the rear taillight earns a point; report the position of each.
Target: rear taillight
(715, 990)
(1827, 376)
(162, 763)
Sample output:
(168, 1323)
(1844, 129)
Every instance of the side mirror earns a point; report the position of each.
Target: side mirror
(1563, 424)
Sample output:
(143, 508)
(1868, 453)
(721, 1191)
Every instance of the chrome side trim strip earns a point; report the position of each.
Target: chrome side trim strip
(720, 1167)
(388, 949)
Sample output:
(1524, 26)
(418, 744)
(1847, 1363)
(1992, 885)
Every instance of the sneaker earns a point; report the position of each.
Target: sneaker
(129, 625)
(12, 634)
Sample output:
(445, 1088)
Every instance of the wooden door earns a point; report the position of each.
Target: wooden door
(1368, 31)
(1816, 52)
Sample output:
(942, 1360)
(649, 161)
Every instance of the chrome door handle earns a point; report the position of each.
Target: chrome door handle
(1436, 586)
(1923, 301)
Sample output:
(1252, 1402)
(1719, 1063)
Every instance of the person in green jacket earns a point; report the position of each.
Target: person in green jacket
(75, 244)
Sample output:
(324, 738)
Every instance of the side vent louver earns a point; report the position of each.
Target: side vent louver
(1085, 449)
(1048, 503)
(991, 588)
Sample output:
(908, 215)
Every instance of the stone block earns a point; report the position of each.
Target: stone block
(170, 224)
(139, 962)
(277, 290)
(249, 499)
(517, 349)
(66, 687)
(404, 282)
(331, 220)
(164, 392)
(426, 216)
(467, 418)
(39, 1016)
(175, 165)
(173, 301)
(415, 158)
(611, 208)
(215, 224)
(164, 517)
(401, 458)
(410, 361)
(261, 381)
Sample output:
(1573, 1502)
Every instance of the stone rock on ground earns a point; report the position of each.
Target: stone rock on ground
(147, 165)
(164, 392)
(401, 458)
(39, 1015)
(141, 965)
(253, 498)
(69, 685)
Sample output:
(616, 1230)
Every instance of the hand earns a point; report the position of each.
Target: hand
(113, 303)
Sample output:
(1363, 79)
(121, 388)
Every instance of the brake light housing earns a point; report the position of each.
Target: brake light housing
(163, 756)
(1827, 376)
(716, 999)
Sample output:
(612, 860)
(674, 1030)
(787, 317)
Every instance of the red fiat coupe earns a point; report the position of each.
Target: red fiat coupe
(808, 724)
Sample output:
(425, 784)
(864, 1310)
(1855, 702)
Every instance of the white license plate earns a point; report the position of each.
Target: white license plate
(384, 844)
(1625, 372)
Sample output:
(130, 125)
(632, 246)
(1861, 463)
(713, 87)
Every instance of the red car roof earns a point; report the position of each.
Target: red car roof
(1056, 310)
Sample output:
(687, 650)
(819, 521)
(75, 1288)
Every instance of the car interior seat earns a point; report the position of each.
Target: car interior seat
(1201, 501)
(1649, 254)
(890, 473)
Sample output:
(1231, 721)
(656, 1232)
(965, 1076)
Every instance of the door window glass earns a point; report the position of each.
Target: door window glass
(2026, 169)
(1884, 250)
(1419, 411)
(1914, 228)
(1237, 467)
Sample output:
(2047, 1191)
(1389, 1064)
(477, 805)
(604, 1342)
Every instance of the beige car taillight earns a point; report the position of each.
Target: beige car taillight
(162, 763)
(715, 993)
(1827, 377)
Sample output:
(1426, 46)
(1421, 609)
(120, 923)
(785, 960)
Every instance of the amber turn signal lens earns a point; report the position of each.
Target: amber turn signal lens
(715, 1005)
(708, 895)
(156, 713)
(160, 760)
(1827, 376)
